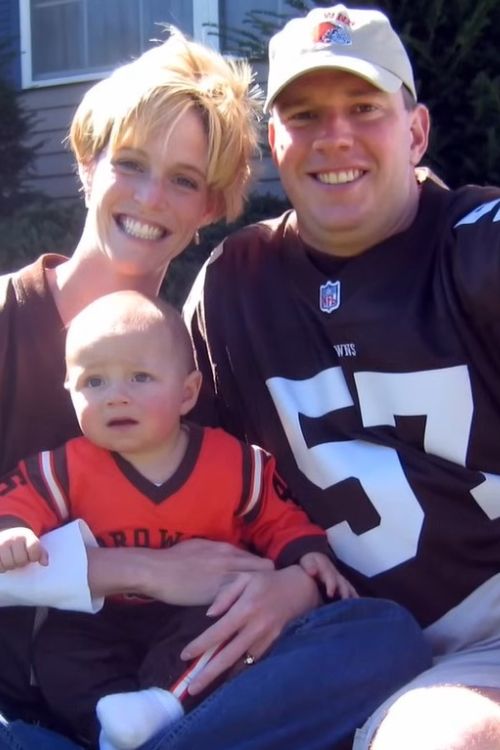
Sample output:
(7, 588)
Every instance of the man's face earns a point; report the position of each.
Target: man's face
(346, 153)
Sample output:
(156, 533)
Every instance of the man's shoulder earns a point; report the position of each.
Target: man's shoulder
(447, 209)
(263, 235)
(470, 203)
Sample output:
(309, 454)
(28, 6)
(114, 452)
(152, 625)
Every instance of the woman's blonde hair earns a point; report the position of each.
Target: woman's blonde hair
(155, 90)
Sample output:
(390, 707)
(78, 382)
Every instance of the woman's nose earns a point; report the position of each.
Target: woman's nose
(151, 192)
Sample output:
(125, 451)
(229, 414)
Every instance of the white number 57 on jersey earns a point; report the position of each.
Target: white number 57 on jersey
(443, 396)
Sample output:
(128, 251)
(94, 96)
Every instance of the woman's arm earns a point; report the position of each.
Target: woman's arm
(189, 573)
(80, 574)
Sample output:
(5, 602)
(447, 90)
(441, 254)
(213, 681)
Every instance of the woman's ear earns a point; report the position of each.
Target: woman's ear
(215, 208)
(86, 174)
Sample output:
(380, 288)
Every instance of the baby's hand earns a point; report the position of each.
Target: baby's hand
(319, 566)
(19, 547)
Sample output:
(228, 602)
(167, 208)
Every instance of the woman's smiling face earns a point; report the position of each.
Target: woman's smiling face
(145, 202)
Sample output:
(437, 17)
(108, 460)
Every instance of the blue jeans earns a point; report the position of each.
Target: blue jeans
(322, 679)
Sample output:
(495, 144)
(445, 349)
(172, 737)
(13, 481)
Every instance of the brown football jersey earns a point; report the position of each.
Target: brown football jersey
(375, 381)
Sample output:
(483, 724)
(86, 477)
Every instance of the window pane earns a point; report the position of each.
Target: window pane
(89, 36)
(60, 22)
(113, 32)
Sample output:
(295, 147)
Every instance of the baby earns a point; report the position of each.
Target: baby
(142, 476)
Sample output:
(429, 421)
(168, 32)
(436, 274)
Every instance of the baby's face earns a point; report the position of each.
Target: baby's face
(127, 388)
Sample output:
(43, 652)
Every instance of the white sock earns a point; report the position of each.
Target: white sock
(128, 720)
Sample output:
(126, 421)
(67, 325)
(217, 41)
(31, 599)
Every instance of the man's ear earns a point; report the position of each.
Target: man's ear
(191, 390)
(419, 128)
(86, 173)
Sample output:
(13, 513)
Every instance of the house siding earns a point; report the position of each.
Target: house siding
(52, 109)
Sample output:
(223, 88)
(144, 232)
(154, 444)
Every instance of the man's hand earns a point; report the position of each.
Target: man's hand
(319, 566)
(19, 547)
(255, 608)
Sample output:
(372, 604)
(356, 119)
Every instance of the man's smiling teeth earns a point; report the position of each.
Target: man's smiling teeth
(339, 178)
(139, 229)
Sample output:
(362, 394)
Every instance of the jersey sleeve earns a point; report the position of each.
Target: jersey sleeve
(272, 523)
(32, 494)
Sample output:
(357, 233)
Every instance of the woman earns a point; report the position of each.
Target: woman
(163, 147)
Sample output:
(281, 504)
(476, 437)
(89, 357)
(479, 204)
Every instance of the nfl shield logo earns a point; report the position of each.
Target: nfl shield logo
(329, 296)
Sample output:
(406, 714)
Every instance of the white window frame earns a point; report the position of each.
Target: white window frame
(205, 14)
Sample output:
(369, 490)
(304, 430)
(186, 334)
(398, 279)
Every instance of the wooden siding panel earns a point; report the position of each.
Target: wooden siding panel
(49, 141)
(59, 187)
(52, 109)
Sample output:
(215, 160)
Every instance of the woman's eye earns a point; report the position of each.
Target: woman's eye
(128, 165)
(186, 182)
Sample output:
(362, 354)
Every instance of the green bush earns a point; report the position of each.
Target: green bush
(16, 157)
(42, 226)
(453, 44)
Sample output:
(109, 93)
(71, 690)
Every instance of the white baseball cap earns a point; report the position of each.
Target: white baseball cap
(359, 41)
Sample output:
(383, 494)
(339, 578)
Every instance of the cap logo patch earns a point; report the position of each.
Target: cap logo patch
(334, 29)
(331, 33)
(329, 296)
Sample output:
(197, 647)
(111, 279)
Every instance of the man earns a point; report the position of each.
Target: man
(134, 195)
(356, 337)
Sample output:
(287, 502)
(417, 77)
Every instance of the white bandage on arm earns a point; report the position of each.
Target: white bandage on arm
(63, 583)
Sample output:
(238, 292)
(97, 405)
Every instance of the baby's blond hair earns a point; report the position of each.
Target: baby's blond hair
(120, 313)
(152, 92)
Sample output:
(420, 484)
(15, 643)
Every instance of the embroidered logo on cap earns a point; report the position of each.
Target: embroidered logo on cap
(329, 296)
(336, 30)
(332, 33)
